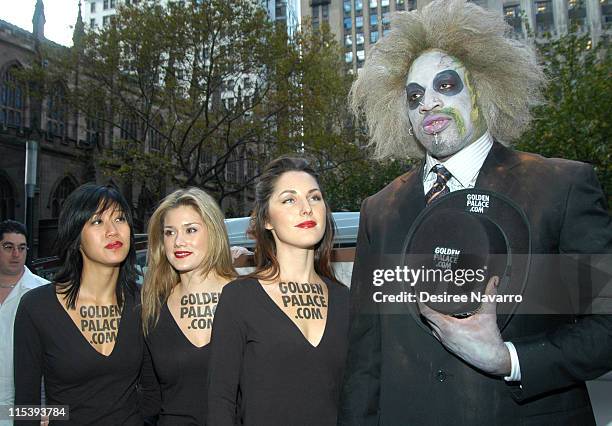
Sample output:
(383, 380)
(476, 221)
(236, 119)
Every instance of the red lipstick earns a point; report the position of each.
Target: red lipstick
(114, 245)
(181, 254)
(307, 224)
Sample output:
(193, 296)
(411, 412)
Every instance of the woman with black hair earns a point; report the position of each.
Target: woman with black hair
(82, 333)
(279, 336)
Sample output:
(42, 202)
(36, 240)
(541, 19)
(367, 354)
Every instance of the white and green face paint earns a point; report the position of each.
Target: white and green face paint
(441, 106)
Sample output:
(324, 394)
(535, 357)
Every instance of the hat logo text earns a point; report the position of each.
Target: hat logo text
(477, 203)
(445, 257)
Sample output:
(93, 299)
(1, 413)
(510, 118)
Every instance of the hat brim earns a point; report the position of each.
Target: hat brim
(512, 222)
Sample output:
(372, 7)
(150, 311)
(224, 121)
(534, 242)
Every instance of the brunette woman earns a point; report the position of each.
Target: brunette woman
(280, 335)
(189, 262)
(82, 333)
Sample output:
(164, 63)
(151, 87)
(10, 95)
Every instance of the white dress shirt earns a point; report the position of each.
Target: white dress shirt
(8, 309)
(464, 167)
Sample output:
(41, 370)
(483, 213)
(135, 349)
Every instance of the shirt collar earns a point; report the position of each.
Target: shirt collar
(465, 164)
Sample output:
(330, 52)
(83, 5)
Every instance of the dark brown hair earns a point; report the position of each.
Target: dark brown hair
(266, 263)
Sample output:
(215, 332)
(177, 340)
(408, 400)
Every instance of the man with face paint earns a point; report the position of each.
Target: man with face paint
(447, 84)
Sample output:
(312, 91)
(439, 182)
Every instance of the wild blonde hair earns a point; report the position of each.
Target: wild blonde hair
(161, 277)
(503, 72)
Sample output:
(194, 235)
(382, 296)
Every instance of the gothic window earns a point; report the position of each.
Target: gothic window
(7, 199)
(63, 189)
(56, 112)
(232, 168)
(94, 128)
(155, 137)
(12, 99)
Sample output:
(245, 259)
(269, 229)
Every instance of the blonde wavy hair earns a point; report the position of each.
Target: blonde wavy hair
(161, 277)
(504, 73)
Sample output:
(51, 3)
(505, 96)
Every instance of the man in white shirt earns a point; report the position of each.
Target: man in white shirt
(15, 280)
(448, 84)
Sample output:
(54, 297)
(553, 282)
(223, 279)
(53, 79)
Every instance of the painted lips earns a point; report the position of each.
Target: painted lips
(114, 245)
(435, 123)
(306, 225)
(181, 254)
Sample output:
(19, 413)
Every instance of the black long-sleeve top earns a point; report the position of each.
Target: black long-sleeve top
(179, 369)
(99, 390)
(260, 358)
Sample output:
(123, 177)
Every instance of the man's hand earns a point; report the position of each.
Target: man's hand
(475, 339)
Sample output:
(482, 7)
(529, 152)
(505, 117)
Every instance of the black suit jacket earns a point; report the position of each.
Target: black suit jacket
(399, 374)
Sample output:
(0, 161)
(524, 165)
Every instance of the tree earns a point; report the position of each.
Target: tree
(185, 92)
(574, 123)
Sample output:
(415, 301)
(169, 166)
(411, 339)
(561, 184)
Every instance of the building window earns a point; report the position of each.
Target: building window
(105, 5)
(94, 128)
(7, 199)
(231, 168)
(577, 14)
(544, 17)
(373, 4)
(384, 3)
(358, 5)
(348, 40)
(373, 20)
(347, 7)
(112, 4)
(56, 112)
(62, 191)
(358, 21)
(325, 12)
(400, 4)
(105, 21)
(92, 7)
(373, 36)
(348, 24)
(606, 13)
(129, 129)
(155, 138)
(251, 168)
(348, 57)
(92, 22)
(512, 15)
(385, 32)
(12, 99)
(361, 55)
(386, 18)
(359, 39)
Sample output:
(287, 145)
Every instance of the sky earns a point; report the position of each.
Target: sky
(60, 17)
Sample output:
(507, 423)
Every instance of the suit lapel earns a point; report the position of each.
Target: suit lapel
(495, 171)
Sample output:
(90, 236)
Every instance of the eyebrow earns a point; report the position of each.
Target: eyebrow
(293, 191)
(184, 224)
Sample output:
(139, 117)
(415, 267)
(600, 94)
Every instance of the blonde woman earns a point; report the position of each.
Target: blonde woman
(189, 262)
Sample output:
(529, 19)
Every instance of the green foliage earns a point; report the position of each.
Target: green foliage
(574, 124)
(352, 182)
(162, 75)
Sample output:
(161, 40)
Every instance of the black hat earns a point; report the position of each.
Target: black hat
(459, 242)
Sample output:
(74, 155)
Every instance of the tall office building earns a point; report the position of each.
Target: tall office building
(286, 12)
(358, 24)
(98, 13)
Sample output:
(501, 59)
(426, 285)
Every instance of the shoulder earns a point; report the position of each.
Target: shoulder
(393, 192)
(554, 171)
(38, 297)
(337, 291)
(31, 281)
(238, 288)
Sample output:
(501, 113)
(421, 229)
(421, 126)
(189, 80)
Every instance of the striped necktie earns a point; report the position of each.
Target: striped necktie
(440, 187)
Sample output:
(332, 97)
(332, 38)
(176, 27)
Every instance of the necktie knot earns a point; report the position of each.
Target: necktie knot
(440, 186)
(442, 173)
